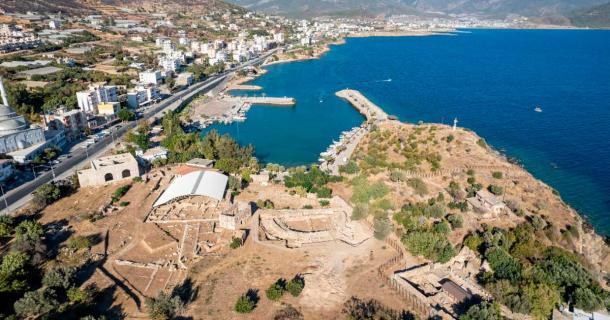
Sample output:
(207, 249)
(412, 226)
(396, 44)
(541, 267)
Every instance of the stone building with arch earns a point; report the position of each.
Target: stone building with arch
(109, 169)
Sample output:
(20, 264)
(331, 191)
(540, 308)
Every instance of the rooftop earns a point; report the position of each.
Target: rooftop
(113, 160)
(200, 183)
(41, 71)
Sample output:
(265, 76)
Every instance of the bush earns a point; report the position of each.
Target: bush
(442, 227)
(124, 203)
(363, 192)
(419, 187)
(120, 192)
(276, 290)
(79, 242)
(382, 227)
(397, 176)
(236, 243)
(245, 304)
(46, 194)
(288, 312)
(455, 221)
(324, 203)
(361, 211)
(324, 192)
(433, 246)
(497, 190)
(350, 168)
(483, 311)
(497, 175)
(295, 286)
(164, 306)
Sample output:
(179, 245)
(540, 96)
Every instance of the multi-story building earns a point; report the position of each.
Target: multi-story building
(89, 100)
(150, 77)
(142, 95)
(73, 122)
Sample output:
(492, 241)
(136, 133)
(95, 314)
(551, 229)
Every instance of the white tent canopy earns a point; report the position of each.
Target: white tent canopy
(200, 183)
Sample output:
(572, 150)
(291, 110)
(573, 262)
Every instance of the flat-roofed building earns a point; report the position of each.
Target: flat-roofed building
(108, 108)
(109, 169)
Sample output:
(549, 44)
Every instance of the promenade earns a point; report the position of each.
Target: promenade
(369, 110)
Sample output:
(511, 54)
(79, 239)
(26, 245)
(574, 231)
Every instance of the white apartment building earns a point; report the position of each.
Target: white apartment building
(141, 96)
(153, 77)
(90, 99)
(169, 64)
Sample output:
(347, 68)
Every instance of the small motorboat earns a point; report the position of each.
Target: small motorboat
(538, 109)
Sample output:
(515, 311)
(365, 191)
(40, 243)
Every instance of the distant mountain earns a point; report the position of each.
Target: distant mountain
(594, 17)
(489, 8)
(53, 6)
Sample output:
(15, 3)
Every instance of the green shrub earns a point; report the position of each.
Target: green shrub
(382, 228)
(235, 243)
(276, 290)
(79, 242)
(361, 211)
(324, 203)
(497, 190)
(455, 221)
(295, 286)
(419, 187)
(350, 168)
(497, 175)
(431, 245)
(397, 176)
(245, 304)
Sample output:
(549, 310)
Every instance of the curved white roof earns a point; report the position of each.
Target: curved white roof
(200, 183)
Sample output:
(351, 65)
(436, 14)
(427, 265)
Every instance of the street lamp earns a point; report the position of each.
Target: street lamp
(4, 197)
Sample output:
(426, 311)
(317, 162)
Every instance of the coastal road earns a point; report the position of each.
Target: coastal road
(19, 196)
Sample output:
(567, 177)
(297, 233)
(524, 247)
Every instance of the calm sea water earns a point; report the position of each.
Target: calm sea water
(490, 79)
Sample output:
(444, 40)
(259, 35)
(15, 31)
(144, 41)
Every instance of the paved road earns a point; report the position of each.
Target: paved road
(22, 194)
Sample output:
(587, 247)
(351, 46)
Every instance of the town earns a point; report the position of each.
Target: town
(116, 206)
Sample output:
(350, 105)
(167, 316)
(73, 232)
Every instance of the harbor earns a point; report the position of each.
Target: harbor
(268, 101)
(339, 152)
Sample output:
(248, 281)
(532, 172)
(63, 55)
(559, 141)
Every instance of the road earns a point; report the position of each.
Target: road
(21, 195)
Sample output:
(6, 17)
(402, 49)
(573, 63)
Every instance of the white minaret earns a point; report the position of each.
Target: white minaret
(455, 122)
(3, 92)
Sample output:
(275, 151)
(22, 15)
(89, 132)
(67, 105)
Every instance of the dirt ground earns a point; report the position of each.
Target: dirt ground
(333, 272)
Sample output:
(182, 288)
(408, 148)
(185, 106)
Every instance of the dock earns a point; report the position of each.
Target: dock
(269, 101)
(369, 110)
(244, 87)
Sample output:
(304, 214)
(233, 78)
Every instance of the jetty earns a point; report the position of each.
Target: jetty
(269, 101)
(369, 110)
(244, 87)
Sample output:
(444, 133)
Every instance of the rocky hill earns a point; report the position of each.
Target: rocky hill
(594, 17)
(549, 9)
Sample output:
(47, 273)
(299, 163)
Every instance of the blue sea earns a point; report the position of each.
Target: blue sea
(491, 80)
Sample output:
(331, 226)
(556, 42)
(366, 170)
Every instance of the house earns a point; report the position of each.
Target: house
(485, 202)
(152, 154)
(184, 79)
(109, 169)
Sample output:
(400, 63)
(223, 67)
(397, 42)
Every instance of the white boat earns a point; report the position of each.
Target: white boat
(538, 109)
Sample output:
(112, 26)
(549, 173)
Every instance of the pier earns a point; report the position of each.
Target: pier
(369, 110)
(269, 101)
(244, 87)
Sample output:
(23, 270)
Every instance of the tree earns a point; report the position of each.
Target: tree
(6, 226)
(29, 230)
(37, 303)
(126, 115)
(13, 272)
(164, 306)
(483, 311)
(46, 194)
(276, 290)
(295, 286)
(59, 277)
(503, 265)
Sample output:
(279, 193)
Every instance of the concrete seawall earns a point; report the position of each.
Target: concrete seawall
(270, 101)
(369, 110)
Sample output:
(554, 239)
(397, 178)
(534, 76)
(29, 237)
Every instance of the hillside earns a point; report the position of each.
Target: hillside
(595, 17)
(490, 8)
(79, 7)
